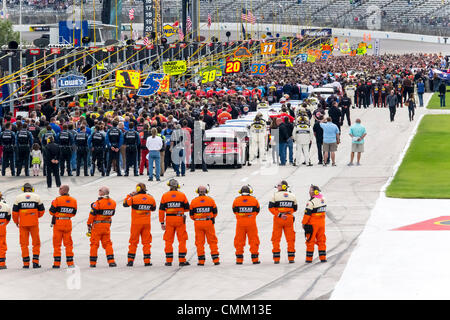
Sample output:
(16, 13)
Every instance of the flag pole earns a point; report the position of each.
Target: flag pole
(94, 24)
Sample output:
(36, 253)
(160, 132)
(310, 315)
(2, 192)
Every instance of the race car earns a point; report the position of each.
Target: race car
(226, 145)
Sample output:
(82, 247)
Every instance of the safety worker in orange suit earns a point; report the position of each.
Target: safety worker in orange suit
(27, 210)
(142, 204)
(283, 205)
(173, 221)
(5, 217)
(314, 225)
(246, 208)
(63, 209)
(99, 226)
(203, 211)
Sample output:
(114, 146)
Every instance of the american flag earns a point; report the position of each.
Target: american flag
(209, 20)
(188, 24)
(248, 16)
(180, 34)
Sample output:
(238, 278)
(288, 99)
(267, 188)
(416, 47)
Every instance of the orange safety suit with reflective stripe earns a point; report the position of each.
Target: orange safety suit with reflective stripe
(63, 209)
(283, 205)
(315, 216)
(99, 223)
(5, 217)
(203, 211)
(246, 208)
(27, 210)
(171, 212)
(142, 205)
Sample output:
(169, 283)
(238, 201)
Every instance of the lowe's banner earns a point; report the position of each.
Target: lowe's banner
(316, 32)
(72, 82)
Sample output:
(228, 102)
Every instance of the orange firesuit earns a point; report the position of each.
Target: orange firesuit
(314, 216)
(171, 213)
(283, 205)
(99, 223)
(142, 204)
(246, 208)
(63, 208)
(203, 211)
(5, 217)
(27, 210)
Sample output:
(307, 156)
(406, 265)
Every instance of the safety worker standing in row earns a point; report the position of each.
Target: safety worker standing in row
(258, 138)
(203, 211)
(5, 217)
(314, 224)
(246, 208)
(172, 207)
(99, 226)
(63, 209)
(27, 210)
(283, 205)
(142, 204)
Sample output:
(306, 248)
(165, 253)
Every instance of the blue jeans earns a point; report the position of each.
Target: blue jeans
(154, 156)
(73, 161)
(442, 100)
(420, 99)
(290, 146)
(179, 161)
(283, 149)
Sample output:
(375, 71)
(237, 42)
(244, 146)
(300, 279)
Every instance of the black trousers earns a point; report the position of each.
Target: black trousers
(366, 100)
(392, 111)
(376, 100)
(383, 100)
(82, 155)
(167, 158)
(399, 99)
(65, 158)
(319, 150)
(98, 157)
(197, 157)
(8, 160)
(113, 155)
(23, 159)
(53, 169)
(131, 153)
(411, 113)
(345, 112)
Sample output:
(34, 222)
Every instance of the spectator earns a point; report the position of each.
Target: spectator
(357, 133)
(290, 140)
(420, 91)
(411, 108)
(283, 131)
(154, 145)
(392, 101)
(331, 139)
(442, 91)
(318, 134)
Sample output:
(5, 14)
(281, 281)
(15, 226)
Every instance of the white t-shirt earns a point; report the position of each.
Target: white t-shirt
(154, 144)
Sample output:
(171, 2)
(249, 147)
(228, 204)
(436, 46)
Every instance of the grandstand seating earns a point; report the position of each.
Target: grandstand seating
(333, 13)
